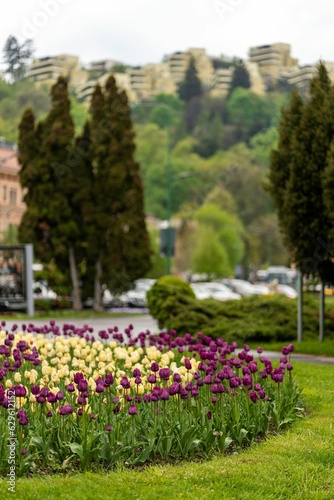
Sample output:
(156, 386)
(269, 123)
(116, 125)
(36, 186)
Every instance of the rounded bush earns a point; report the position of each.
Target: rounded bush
(167, 293)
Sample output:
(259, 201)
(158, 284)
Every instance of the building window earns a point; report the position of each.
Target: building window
(12, 196)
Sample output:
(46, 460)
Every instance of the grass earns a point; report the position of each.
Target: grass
(325, 348)
(297, 464)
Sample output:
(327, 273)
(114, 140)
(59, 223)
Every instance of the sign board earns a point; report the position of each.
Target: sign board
(167, 242)
(16, 278)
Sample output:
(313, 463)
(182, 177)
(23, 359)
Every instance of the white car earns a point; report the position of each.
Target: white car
(247, 289)
(200, 291)
(135, 297)
(219, 291)
(286, 290)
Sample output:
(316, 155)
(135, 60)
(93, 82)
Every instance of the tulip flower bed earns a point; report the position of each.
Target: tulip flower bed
(72, 399)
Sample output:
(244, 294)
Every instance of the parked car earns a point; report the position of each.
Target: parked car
(247, 289)
(136, 297)
(200, 291)
(219, 291)
(286, 290)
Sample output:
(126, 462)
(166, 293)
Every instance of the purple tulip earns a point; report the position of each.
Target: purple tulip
(253, 396)
(247, 381)
(52, 398)
(70, 388)
(187, 364)
(136, 372)
(44, 392)
(125, 383)
(133, 410)
(234, 382)
(78, 376)
(109, 380)
(174, 389)
(152, 378)
(154, 366)
(117, 409)
(60, 396)
(164, 396)
(82, 385)
(108, 428)
(40, 399)
(20, 391)
(164, 373)
(194, 391)
(253, 366)
(66, 410)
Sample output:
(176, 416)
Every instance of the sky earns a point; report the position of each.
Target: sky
(137, 32)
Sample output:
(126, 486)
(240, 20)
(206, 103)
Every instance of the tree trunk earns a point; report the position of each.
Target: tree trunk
(77, 304)
(98, 286)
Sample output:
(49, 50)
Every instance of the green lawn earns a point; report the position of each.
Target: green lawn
(297, 464)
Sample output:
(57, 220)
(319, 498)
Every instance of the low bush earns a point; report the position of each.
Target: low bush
(257, 318)
(164, 294)
(57, 304)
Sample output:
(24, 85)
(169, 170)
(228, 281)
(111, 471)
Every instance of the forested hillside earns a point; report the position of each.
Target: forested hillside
(218, 148)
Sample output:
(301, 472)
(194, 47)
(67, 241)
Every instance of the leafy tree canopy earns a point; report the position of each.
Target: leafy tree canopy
(16, 57)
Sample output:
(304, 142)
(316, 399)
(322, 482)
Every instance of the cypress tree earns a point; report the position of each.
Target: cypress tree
(240, 77)
(299, 170)
(191, 86)
(47, 163)
(120, 243)
(281, 157)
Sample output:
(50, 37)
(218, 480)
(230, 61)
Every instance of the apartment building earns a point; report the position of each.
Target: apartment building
(48, 69)
(85, 91)
(301, 77)
(221, 81)
(272, 59)
(12, 206)
(179, 61)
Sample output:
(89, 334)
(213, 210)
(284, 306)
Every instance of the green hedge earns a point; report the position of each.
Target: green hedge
(251, 319)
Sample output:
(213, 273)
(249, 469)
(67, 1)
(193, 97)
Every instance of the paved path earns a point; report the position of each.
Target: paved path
(143, 322)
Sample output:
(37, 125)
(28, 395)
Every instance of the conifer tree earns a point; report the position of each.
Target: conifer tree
(299, 168)
(119, 243)
(191, 86)
(45, 154)
(240, 77)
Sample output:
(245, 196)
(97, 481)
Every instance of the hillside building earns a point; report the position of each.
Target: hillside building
(272, 59)
(49, 69)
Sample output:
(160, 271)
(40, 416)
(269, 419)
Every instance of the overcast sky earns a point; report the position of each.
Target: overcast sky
(142, 31)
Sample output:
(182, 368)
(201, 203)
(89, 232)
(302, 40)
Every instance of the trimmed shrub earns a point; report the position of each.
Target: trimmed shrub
(251, 319)
(168, 293)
